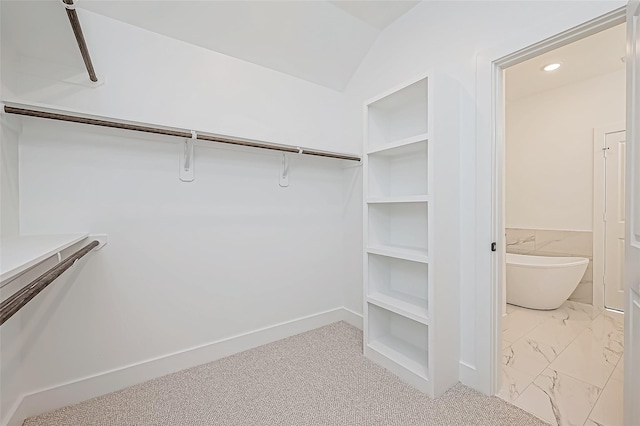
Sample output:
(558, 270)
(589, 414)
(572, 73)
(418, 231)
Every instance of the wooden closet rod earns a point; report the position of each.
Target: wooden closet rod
(171, 132)
(23, 296)
(82, 44)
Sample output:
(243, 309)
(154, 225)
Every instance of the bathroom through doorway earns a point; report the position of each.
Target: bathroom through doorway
(563, 217)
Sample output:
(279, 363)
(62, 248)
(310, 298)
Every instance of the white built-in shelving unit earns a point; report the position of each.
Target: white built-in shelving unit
(407, 308)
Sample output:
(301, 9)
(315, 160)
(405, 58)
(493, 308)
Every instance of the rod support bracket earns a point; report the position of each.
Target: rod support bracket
(102, 240)
(69, 5)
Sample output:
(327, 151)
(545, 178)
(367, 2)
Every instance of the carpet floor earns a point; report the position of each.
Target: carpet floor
(315, 378)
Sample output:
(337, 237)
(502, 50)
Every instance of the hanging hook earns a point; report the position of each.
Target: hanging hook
(186, 158)
(187, 155)
(284, 174)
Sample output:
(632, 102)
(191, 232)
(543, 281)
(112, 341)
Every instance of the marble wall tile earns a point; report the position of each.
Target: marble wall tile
(521, 251)
(574, 243)
(520, 239)
(583, 293)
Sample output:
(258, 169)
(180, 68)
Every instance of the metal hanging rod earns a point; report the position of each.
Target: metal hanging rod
(82, 44)
(173, 132)
(23, 296)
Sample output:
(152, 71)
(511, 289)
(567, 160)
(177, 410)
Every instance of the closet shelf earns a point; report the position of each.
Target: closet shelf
(18, 254)
(399, 253)
(399, 199)
(403, 353)
(392, 147)
(399, 307)
(53, 113)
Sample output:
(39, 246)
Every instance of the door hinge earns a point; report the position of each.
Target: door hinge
(494, 246)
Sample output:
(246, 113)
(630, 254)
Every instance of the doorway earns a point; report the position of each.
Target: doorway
(609, 185)
(548, 201)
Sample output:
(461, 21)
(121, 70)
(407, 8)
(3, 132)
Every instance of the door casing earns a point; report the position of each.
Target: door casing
(599, 180)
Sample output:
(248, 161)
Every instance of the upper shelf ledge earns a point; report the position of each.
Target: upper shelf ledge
(74, 116)
(18, 254)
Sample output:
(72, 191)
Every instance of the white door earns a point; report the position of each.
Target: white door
(632, 246)
(615, 150)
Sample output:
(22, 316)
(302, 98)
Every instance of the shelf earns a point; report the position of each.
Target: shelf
(400, 339)
(399, 283)
(398, 172)
(402, 353)
(405, 145)
(399, 199)
(399, 253)
(18, 254)
(399, 307)
(403, 225)
(398, 115)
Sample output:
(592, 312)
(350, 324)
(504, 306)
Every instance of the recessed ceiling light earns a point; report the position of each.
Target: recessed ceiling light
(551, 67)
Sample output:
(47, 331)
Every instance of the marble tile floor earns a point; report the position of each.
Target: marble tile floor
(564, 366)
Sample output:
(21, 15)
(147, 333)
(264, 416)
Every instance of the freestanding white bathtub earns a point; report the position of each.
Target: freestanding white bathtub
(542, 282)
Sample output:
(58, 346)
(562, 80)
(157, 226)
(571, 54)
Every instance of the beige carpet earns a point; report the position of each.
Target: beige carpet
(315, 378)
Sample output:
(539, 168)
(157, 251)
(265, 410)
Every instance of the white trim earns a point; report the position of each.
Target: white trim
(467, 372)
(599, 134)
(79, 390)
(490, 125)
(353, 318)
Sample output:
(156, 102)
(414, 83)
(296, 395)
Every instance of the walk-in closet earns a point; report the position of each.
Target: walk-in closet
(255, 213)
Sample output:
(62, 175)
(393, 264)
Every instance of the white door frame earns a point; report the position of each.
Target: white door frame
(493, 69)
(599, 134)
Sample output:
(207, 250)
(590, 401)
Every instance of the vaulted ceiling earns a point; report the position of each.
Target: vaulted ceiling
(320, 41)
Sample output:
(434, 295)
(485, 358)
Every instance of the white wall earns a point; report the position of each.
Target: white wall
(187, 264)
(156, 79)
(10, 340)
(549, 152)
(9, 177)
(452, 36)
(10, 366)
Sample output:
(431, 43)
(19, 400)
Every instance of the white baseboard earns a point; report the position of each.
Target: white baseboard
(353, 318)
(467, 374)
(45, 400)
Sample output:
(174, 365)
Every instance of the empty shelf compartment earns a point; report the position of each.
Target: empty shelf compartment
(402, 340)
(401, 226)
(401, 283)
(401, 171)
(399, 115)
